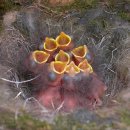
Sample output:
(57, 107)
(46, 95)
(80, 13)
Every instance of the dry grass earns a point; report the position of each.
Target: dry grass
(14, 48)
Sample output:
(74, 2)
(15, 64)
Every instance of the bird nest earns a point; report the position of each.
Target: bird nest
(66, 73)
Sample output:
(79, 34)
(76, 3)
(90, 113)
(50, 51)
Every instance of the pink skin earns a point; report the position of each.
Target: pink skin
(82, 90)
(97, 90)
(71, 98)
(49, 97)
(50, 89)
(70, 102)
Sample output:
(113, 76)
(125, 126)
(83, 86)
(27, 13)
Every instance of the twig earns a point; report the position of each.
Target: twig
(19, 82)
(112, 55)
(18, 95)
(111, 70)
(41, 106)
(107, 95)
(100, 43)
(17, 79)
(47, 22)
(48, 9)
(81, 37)
(52, 104)
(60, 106)
(110, 12)
(16, 115)
(93, 41)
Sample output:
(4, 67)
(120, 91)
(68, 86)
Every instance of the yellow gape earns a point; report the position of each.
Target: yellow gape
(80, 52)
(50, 44)
(40, 57)
(63, 57)
(63, 40)
(72, 69)
(84, 66)
(58, 67)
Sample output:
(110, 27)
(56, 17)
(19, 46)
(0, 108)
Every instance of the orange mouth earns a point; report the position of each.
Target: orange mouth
(80, 52)
(63, 40)
(63, 57)
(58, 67)
(72, 69)
(84, 66)
(40, 57)
(50, 44)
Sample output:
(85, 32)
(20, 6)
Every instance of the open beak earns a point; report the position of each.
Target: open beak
(58, 67)
(80, 52)
(64, 41)
(85, 66)
(63, 57)
(50, 44)
(72, 69)
(40, 57)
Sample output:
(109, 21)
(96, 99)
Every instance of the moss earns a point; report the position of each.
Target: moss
(112, 3)
(100, 22)
(68, 123)
(78, 5)
(6, 5)
(26, 122)
(1, 26)
(124, 15)
(119, 6)
(7, 119)
(105, 23)
(125, 117)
